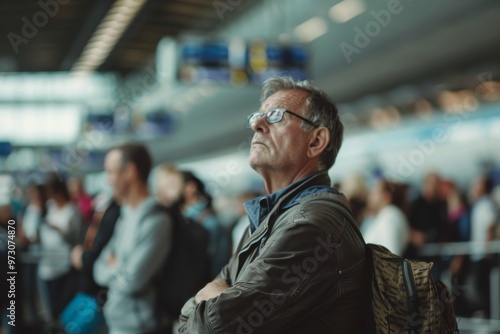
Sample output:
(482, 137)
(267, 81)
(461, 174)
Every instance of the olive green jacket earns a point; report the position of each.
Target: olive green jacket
(302, 271)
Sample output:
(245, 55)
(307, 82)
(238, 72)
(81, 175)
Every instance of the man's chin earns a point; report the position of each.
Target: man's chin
(253, 160)
(256, 163)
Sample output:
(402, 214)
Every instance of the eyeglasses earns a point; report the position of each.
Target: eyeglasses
(275, 116)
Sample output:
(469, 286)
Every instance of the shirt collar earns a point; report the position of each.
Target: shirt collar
(140, 209)
(258, 208)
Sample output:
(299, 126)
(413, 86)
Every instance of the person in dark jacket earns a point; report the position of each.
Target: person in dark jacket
(197, 206)
(84, 255)
(427, 214)
(300, 267)
(85, 310)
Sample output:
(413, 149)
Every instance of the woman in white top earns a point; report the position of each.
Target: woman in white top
(389, 226)
(32, 220)
(58, 234)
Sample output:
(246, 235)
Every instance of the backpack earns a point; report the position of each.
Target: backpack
(187, 268)
(404, 296)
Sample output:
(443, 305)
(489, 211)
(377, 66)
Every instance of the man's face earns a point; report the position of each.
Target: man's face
(431, 187)
(376, 197)
(115, 172)
(169, 188)
(282, 145)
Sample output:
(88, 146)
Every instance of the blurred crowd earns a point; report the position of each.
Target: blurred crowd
(61, 231)
(406, 219)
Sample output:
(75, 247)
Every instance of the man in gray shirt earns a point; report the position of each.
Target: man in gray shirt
(138, 248)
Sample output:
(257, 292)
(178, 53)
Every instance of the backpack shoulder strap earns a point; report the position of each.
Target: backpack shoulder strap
(347, 214)
(369, 325)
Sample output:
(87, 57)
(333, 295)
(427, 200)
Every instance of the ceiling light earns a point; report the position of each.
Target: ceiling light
(346, 10)
(107, 34)
(311, 29)
(35, 124)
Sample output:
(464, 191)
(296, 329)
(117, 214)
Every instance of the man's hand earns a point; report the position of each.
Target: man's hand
(211, 290)
(76, 257)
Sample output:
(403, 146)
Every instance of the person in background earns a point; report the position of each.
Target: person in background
(427, 216)
(58, 235)
(495, 194)
(389, 227)
(169, 185)
(457, 226)
(457, 229)
(484, 219)
(302, 267)
(484, 215)
(32, 220)
(240, 226)
(133, 257)
(354, 189)
(17, 201)
(81, 198)
(84, 312)
(197, 206)
(83, 256)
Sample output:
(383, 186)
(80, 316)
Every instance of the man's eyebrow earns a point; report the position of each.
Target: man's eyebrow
(274, 107)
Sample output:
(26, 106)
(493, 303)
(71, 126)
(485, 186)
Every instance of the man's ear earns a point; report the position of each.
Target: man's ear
(320, 139)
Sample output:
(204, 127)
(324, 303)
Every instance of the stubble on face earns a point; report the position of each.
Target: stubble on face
(274, 146)
(113, 166)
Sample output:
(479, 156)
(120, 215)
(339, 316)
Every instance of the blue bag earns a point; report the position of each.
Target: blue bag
(82, 315)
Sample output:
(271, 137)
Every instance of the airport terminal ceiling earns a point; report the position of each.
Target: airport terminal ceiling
(384, 48)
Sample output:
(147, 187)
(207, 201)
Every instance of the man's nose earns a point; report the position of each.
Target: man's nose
(260, 124)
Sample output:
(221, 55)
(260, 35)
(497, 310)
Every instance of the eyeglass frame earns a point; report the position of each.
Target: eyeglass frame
(277, 109)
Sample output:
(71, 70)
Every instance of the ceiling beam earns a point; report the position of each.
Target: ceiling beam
(97, 13)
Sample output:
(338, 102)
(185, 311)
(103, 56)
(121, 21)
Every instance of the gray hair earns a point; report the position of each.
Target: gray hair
(319, 108)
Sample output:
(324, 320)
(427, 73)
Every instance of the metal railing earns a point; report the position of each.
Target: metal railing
(475, 325)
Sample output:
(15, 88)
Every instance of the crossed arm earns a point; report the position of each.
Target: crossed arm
(211, 290)
(277, 284)
(131, 274)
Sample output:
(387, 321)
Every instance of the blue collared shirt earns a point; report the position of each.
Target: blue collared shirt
(258, 208)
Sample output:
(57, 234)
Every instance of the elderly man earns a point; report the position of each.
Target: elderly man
(300, 268)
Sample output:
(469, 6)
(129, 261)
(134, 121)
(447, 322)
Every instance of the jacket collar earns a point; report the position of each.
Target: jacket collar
(259, 208)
